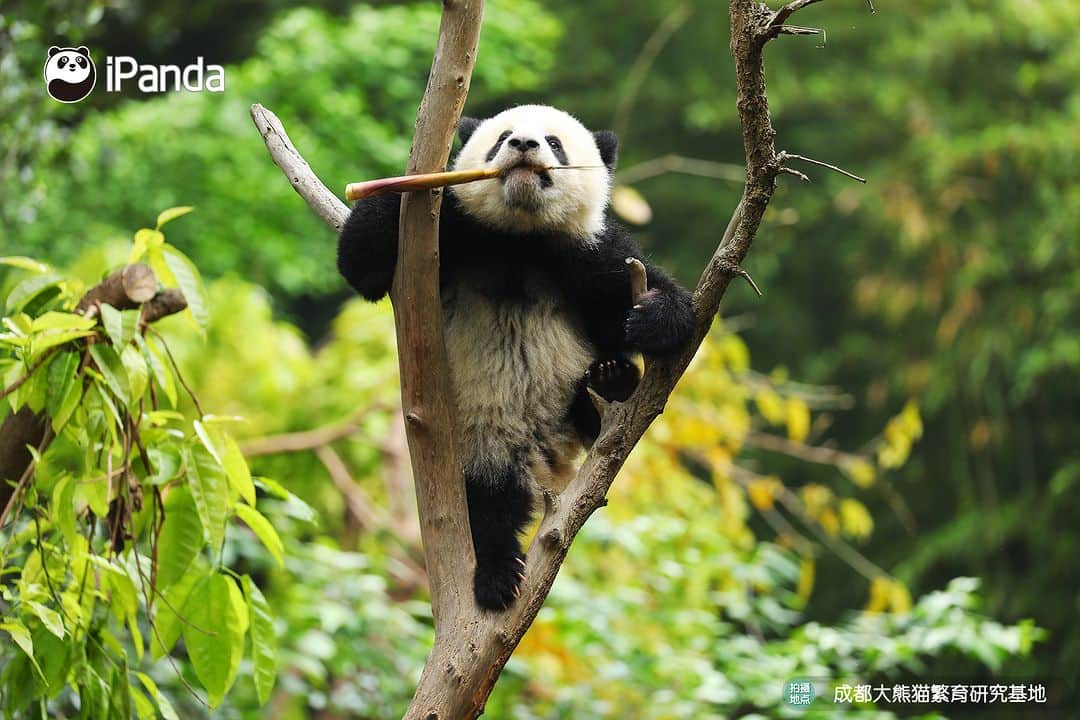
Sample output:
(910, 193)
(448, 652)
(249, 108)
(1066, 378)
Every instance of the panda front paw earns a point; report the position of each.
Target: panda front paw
(660, 323)
(613, 380)
(497, 582)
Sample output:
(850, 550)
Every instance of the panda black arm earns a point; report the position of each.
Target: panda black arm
(368, 245)
(659, 323)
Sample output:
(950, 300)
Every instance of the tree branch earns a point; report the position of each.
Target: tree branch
(673, 163)
(425, 373)
(324, 203)
(471, 646)
(776, 22)
(357, 503)
(167, 302)
(124, 289)
(306, 439)
(780, 16)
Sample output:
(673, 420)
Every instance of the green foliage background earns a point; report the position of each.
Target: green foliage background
(950, 280)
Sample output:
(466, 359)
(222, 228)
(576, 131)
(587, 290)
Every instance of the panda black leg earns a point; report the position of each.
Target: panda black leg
(499, 508)
(583, 414)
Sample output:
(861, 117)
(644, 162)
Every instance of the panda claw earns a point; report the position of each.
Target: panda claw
(498, 582)
(614, 380)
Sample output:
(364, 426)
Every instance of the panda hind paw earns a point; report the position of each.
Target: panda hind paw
(498, 581)
(614, 380)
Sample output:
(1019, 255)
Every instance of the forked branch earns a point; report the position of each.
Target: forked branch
(776, 22)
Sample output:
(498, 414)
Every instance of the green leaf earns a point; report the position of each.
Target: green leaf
(137, 374)
(93, 695)
(63, 508)
(294, 507)
(144, 709)
(13, 375)
(208, 441)
(21, 636)
(54, 655)
(95, 494)
(112, 369)
(50, 339)
(30, 288)
(64, 390)
(165, 461)
(155, 258)
(136, 636)
(54, 320)
(24, 263)
(120, 696)
(236, 468)
(190, 282)
(215, 658)
(172, 213)
(164, 707)
(145, 240)
(98, 400)
(263, 530)
(120, 325)
(48, 617)
(164, 418)
(123, 598)
(209, 487)
(239, 606)
(263, 641)
(162, 372)
(167, 621)
(181, 537)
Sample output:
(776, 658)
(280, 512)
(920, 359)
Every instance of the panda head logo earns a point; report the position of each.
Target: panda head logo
(69, 73)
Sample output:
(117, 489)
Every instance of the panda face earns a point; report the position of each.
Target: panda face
(71, 65)
(523, 142)
(69, 73)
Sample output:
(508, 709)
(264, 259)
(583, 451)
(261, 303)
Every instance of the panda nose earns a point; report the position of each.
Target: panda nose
(523, 144)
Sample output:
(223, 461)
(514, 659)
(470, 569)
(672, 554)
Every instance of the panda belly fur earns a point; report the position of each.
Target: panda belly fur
(515, 366)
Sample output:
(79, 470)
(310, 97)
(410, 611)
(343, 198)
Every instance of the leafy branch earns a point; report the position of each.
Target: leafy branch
(120, 499)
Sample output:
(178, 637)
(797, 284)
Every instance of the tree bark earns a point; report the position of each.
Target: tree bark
(425, 374)
(471, 647)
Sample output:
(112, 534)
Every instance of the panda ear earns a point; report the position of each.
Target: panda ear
(465, 128)
(608, 143)
(82, 49)
(53, 50)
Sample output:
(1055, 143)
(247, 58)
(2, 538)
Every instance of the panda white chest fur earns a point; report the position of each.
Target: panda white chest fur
(514, 368)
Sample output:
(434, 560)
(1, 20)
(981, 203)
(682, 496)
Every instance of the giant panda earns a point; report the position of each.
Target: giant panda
(537, 308)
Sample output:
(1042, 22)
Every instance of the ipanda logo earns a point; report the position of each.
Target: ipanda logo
(70, 75)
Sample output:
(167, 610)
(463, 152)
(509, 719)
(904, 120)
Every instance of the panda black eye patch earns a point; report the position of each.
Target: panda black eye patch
(498, 144)
(556, 147)
(63, 60)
